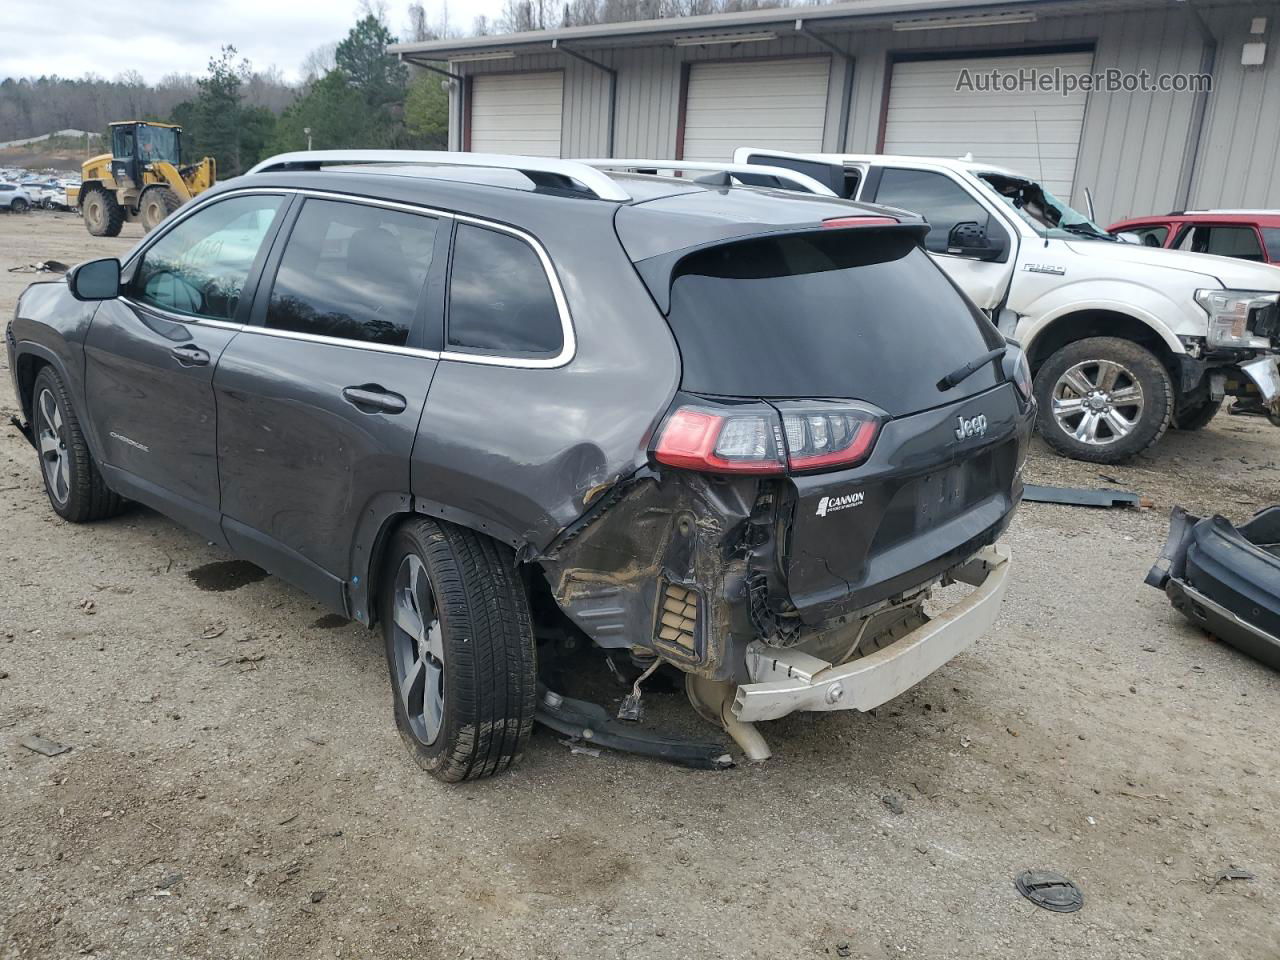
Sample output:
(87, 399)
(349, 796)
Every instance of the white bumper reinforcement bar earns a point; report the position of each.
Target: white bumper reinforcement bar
(785, 681)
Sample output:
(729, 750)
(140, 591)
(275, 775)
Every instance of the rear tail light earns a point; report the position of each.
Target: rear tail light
(1018, 370)
(721, 443)
(828, 439)
(757, 441)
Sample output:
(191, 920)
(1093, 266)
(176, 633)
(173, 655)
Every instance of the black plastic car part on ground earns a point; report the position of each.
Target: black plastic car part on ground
(1226, 579)
(680, 418)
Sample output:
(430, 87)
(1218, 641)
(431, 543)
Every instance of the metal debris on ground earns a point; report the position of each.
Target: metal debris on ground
(577, 746)
(38, 744)
(1083, 497)
(1232, 873)
(1049, 890)
(894, 803)
(44, 266)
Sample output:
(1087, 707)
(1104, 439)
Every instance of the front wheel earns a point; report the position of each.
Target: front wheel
(75, 487)
(157, 203)
(460, 649)
(19, 205)
(1103, 399)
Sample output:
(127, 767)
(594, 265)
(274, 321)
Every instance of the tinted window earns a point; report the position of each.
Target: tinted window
(853, 314)
(1151, 236)
(499, 295)
(1239, 242)
(352, 271)
(200, 267)
(937, 198)
(1272, 236)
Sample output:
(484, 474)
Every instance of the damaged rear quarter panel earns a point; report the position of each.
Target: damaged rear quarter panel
(687, 528)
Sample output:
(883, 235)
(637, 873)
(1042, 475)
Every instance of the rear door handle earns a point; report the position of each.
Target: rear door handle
(370, 397)
(190, 355)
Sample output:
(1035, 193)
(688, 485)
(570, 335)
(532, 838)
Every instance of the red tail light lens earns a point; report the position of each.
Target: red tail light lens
(823, 439)
(715, 443)
(752, 441)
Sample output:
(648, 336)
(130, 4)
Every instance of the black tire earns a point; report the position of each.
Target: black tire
(72, 481)
(157, 203)
(480, 655)
(1196, 417)
(19, 205)
(103, 216)
(1148, 419)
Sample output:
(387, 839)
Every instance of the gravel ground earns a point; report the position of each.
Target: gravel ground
(236, 788)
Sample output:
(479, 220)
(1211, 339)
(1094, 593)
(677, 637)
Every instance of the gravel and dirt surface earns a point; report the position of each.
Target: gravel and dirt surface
(235, 786)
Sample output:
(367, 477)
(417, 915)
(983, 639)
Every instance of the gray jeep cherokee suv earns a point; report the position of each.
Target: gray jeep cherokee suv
(494, 403)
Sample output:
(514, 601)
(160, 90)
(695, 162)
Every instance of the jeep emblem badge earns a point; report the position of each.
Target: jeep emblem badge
(971, 426)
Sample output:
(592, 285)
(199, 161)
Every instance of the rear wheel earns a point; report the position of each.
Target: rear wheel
(1103, 399)
(460, 650)
(157, 203)
(76, 489)
(103, 216)
(19, 205)
(1198, 416)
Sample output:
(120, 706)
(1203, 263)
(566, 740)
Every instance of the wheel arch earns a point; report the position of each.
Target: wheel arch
(86, 187)
(29, 359)
(1056, 332)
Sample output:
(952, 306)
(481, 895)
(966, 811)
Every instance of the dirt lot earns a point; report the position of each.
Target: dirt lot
(235, 786)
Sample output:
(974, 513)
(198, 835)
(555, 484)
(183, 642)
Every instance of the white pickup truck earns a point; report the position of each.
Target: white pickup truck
(1124, 340)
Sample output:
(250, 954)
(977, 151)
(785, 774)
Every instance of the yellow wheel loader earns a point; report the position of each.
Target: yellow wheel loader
(142, 178)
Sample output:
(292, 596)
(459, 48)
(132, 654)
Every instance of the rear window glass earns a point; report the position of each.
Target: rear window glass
(499, 297)
(833, 314)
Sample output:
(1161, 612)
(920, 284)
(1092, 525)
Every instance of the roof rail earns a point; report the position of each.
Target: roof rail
(737, 170)
(539, 169)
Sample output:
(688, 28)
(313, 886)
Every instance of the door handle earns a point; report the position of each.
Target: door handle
(190, 355)
(370, 397)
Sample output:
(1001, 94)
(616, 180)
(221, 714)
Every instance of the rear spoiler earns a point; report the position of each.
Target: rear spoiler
(656, 272)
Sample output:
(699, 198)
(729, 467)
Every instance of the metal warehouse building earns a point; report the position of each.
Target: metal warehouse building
(881, 76)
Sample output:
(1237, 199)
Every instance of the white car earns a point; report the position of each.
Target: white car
(14, 198)
(1124, 340)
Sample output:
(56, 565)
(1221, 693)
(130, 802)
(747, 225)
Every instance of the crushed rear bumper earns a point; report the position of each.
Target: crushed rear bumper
(787, 680)
(1226, 579)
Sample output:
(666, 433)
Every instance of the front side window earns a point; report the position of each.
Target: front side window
(353, 271)
(1272, 237)
(937, 198)
(499, 297)
(1239, 242)
(200, 267)
(1150, 236)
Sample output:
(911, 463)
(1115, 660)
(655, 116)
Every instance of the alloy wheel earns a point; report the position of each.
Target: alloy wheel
(1098, 402)
(52, 438)
(418, 647)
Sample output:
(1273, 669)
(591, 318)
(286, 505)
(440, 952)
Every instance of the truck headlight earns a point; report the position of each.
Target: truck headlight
(1234, 316)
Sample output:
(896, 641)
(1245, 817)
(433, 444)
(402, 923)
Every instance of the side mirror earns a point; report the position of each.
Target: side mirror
(95, 280)
(970, 239)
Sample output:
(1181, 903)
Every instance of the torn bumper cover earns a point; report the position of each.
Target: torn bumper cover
(785, 681)
(1226, 579)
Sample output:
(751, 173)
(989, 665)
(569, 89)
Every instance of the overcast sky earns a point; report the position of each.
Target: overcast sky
(155, 37)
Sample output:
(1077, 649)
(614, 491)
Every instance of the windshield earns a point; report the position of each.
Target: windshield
(157, 143)
(860, 314)
(1046, 214)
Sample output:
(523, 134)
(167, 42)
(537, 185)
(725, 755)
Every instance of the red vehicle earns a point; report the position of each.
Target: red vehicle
(1243, 234)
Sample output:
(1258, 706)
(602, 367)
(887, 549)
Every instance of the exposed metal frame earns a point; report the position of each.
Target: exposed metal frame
(613, 87)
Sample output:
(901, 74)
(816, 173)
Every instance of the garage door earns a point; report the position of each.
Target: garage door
(929, 117)
(517, 113)
(767, 103)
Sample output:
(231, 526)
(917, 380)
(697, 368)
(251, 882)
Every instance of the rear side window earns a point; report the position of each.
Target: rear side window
(1239, 242)
(1272, 237)
(500, 299)
(937, 198)
(858, 314)
(200, 267)
(352, 271)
